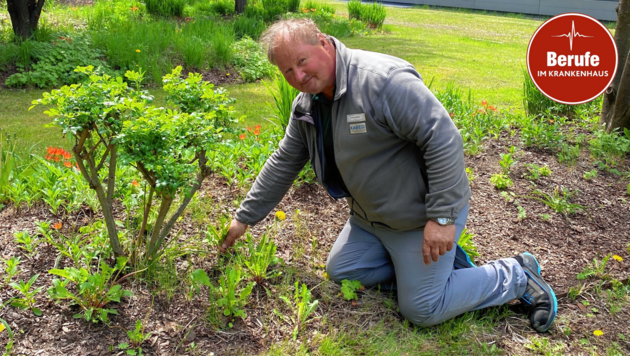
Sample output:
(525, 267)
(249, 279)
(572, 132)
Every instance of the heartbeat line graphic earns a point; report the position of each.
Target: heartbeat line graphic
(572, 34)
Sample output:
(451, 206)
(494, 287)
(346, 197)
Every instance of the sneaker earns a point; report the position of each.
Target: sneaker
(538, 294)
(462, 260)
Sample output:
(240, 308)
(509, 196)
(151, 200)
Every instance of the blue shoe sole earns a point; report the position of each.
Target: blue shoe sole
(462, 260)
(555, 301)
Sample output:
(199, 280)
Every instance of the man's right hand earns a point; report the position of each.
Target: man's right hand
(237, 229)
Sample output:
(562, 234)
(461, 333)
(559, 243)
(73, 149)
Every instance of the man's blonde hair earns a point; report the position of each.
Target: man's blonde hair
(303, 30)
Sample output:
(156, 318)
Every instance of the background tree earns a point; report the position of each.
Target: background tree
(24, 16)
(239, 6)
(616, 105)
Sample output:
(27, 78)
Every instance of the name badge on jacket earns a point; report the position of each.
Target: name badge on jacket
(358, 128)
(357, 123)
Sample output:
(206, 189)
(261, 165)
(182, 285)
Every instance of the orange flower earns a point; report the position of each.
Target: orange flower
(68, 164)
(249, 129)
(48, 157)
(135, 183)
(58, 151)
(257, 132)
(134, 8)
(77, 165)
(257, 127)
(50, 150)
(452, 114)
(57, 158)
(481, 111)
(241, 136)
(313, 10)
(484, 103)
(305, 10)
(492, 108)
(57, 225)
(67, 155)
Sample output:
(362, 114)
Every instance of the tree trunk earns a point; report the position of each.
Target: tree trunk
(622, 39)
(239, 6)
(24, 16)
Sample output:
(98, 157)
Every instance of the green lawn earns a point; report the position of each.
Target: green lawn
(481, 52)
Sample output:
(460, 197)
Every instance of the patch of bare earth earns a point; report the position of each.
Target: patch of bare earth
(563, 245)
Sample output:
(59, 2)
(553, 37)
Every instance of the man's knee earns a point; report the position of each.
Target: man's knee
(421, 312)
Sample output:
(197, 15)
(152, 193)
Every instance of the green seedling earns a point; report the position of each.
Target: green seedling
(27, 301)
(501, 181)
(558, 202)
(198, 278)
(94, 291)
(596, 269)
(5, 326)
(231, 299)
(507, 160)
(470, 174)
(590, 174)
(261, 257)
(302, 306)
(521, 212)
(11, 269)
(215, 235)
(535, 172)
(468, 245)
(26, 242)
(136, 338)
(544, 217)
(349, 289)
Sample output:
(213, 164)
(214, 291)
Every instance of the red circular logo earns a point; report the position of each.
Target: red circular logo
(572, 58)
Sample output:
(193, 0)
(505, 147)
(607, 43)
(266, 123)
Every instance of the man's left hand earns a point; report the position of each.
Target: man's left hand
(438, 240)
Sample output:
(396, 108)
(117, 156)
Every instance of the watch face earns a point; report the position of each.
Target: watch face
(445, 221)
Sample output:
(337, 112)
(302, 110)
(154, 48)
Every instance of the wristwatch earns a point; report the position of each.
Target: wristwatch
(444, 221)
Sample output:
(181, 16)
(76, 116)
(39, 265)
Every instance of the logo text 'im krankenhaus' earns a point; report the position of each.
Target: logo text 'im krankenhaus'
(572, 58)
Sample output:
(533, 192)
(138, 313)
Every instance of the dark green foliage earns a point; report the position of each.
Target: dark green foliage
(373, 14)
(50, 65)
(220, 7)
(251, 27)
(250, 61)
(271, 10)
(165, 7)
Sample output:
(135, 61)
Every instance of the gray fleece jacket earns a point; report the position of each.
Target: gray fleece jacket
(397, 149)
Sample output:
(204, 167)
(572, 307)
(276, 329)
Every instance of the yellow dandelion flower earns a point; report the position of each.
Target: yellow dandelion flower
(325, 275)
(598, 333)
(1, 327)
(280, 215)
(228, 74)
(618, 258)
(138, 51)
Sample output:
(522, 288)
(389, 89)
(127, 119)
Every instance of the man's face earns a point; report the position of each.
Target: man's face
(308, 68)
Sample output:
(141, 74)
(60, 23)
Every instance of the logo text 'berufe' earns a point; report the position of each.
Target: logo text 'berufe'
(572, 58)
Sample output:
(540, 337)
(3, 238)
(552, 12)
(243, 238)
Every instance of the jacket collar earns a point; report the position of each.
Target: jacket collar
(305, 101)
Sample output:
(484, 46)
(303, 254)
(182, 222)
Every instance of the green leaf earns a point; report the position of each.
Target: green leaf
(37, 311)
(123, 346)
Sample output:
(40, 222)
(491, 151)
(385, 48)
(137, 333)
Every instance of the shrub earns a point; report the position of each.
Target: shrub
(168, 147)
(250, 61)
(221, 7)
(373, 14)
(319, 7)
(251, 27)
(165, 7)
(55, 63)
(221, 44)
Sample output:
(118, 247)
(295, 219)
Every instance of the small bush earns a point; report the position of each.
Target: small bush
(222, 7)
(55, 63)
(221, 44)
(373, 14)
(250, 61)
(311, 5)
(165, 7)
(251, 27)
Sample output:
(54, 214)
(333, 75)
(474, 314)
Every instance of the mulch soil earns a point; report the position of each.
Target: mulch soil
(563, 245)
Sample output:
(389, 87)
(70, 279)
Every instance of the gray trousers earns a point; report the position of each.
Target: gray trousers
(427, 295)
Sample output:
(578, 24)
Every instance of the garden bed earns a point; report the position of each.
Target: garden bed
(564, 246)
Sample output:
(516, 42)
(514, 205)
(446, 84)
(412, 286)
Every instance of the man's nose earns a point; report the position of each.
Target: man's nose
(299, 75)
